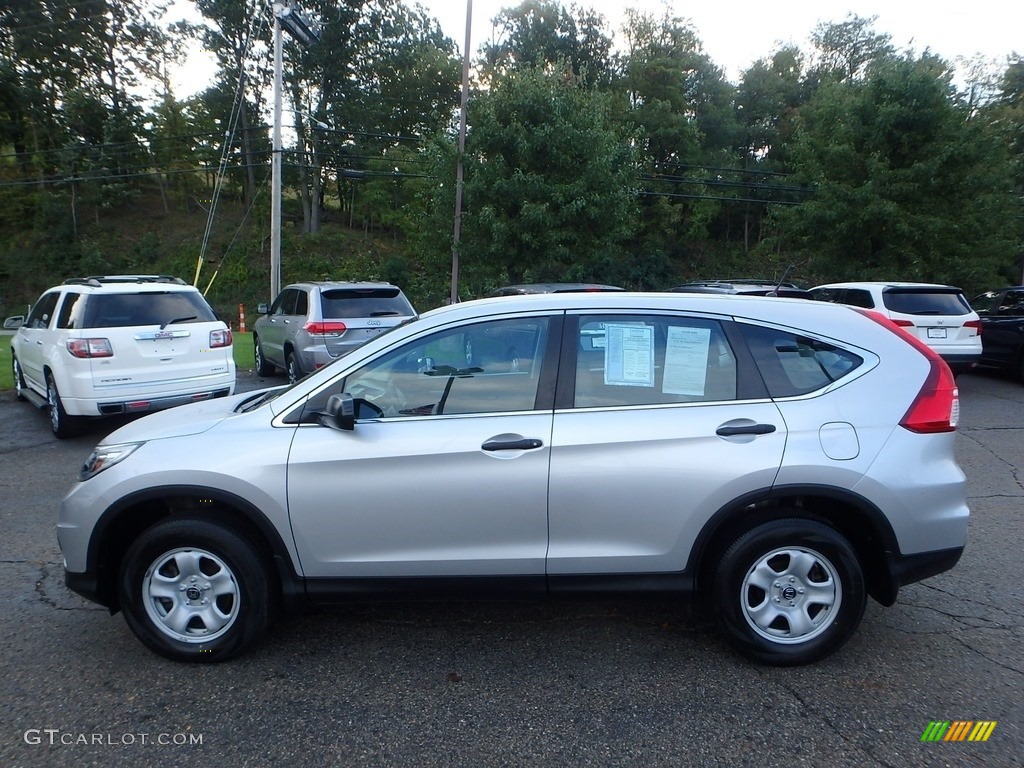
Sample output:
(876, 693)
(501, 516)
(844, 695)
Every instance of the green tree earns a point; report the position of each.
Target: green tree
(546, 33)
(906, 185)
(235, 32)
(845, 50)
(549, 183)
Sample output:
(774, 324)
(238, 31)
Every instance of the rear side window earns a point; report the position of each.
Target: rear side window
(649, 360)
(363, 302)
(119, 310)
(71, 310)
(926, 302)
(792, 364)
(857, 297)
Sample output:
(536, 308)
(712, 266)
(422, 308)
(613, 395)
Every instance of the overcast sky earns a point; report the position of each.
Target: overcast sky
(736, 33)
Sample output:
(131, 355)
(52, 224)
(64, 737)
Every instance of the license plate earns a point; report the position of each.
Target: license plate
(936, 333)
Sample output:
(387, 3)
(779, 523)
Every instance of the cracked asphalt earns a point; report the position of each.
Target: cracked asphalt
(566, 684)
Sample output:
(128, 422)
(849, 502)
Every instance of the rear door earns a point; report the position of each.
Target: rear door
(449, 478)
(277, 325)
(660, 420)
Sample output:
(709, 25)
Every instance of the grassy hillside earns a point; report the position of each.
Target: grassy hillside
(141, 236)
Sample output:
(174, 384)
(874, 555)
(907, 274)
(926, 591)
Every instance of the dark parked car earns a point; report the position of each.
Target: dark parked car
(1002, 322)
(527, 288)
(745, 286)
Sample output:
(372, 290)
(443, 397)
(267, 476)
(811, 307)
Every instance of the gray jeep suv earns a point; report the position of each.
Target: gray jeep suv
(311, 324)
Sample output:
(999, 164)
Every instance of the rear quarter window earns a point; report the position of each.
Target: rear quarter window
(792, 364)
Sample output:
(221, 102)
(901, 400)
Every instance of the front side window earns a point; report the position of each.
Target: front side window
(986, 303)
(487, 367)
(649, 360)
(42, 312)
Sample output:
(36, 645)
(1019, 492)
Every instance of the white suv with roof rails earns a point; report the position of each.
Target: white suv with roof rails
(105, 345)
(939, 315)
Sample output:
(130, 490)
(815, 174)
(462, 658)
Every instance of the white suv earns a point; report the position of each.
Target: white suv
(939, 315)
(100, 346)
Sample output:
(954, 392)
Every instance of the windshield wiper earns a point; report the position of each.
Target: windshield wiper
(178, 320)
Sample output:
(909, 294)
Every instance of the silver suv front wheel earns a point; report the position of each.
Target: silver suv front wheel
(195, 590)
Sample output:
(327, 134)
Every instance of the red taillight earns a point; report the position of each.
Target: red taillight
(325, 329)
(221, 339)
(974, 325)
(937, 405)
(90, 347)
(903, 323)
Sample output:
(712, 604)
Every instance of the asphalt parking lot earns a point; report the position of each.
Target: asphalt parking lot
(480, 684)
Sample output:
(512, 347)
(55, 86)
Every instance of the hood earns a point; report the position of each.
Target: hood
(182, 420)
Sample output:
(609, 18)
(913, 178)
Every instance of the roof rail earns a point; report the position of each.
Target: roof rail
(96, 280)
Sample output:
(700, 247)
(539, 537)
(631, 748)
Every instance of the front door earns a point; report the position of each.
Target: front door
(448, 477)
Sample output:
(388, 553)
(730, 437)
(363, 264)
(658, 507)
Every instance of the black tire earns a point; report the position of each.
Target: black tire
(789, 592)
(263, 366)
(292, 367)
(61, 424)
(19, 378)
(172, 568)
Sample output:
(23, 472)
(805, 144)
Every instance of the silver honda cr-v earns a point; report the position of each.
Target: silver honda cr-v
(780, 460)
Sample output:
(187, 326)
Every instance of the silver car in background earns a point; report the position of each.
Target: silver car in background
(311, 324)
(779, 460)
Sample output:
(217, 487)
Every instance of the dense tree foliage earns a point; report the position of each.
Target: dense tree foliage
(550, 186)
(621, 156)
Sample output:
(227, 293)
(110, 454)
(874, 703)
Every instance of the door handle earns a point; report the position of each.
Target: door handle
(523, 444)
(750, 429)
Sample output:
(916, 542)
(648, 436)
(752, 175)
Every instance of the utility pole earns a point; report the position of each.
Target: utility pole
(286, 17)
(275, 164)
(462, 151)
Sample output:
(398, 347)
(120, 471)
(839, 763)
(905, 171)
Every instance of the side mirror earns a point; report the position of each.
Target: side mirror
(340, 413)
(262, 308)
(14, 323)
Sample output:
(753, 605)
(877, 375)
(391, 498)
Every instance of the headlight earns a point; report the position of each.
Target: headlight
(106, 456)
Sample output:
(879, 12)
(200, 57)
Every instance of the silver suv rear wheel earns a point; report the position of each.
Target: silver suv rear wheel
(789, 592)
